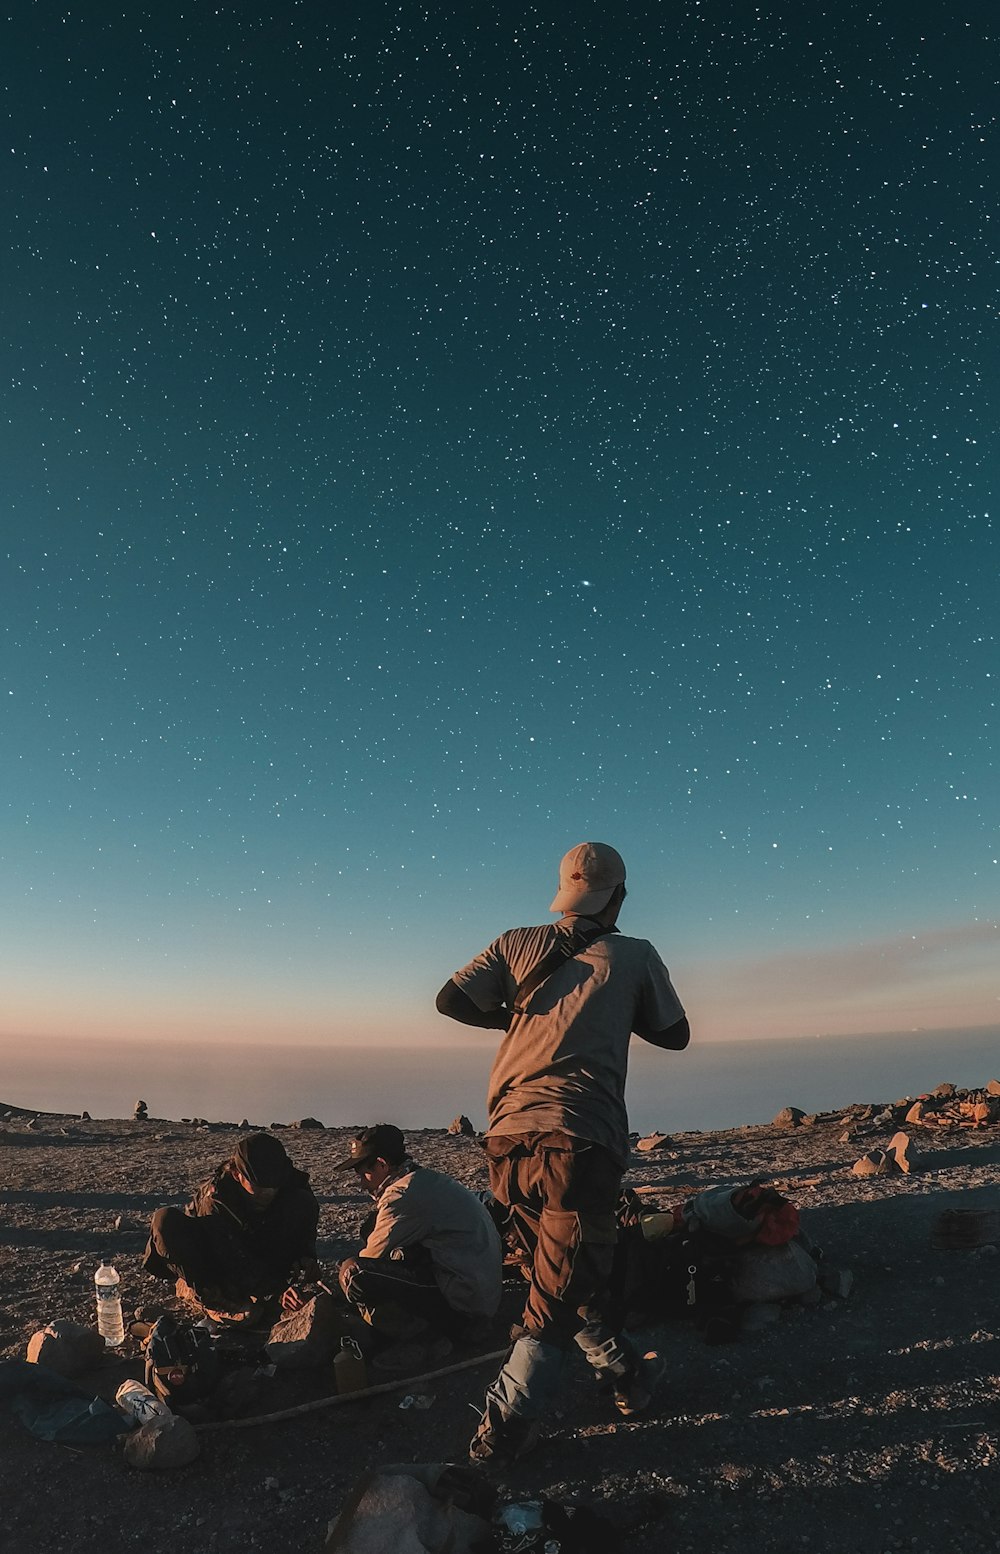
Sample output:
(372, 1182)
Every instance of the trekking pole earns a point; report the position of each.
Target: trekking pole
(350, 1397)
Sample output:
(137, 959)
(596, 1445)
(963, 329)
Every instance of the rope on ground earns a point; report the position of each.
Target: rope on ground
(350, 1397)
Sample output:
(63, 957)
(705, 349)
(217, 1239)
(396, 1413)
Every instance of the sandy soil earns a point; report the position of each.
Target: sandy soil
(866, 1425)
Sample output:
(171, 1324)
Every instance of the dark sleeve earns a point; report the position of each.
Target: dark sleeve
(286, 1235)
(675, 1038)
(303, 1222)
(457, 1005)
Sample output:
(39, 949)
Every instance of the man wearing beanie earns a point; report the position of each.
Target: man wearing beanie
(569, 996)
(245, 1237)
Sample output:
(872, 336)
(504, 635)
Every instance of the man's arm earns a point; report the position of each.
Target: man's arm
(459, 1006)
(675, 1038)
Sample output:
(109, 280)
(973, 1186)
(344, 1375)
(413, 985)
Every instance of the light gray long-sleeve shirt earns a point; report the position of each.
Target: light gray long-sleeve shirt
(427, 1208)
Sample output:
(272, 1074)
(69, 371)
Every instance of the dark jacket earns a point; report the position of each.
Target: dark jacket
(263, 1245)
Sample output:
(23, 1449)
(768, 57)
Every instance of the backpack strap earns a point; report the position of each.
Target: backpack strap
(567, 948)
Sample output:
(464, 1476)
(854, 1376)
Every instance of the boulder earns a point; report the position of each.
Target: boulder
(766, 1274)
(945, 1092)
(306, 1338)
(789, 1117)
(959, 1230)
(902, 1151)
(993, 1087)
(876, 1163)
(462, 1125)
(68, 1348)
(917, 1113)
(167, 1442)
(653, 1141)
(307, 1122)
(410, 1509)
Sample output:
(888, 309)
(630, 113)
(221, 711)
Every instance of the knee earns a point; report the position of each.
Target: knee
(163, 1226)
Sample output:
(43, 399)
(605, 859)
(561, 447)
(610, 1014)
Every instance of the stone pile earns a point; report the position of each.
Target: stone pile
(947, 1107)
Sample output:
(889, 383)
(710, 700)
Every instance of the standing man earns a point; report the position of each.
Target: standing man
(568, 995)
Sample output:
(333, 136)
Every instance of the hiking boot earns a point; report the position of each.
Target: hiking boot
(497, 1447)
(635, 1391)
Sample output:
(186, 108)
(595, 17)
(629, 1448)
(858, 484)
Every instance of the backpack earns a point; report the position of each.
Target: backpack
(684, 1275)
(182, 1365)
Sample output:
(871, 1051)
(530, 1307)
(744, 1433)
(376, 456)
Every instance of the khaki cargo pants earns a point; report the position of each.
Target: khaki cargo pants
(562, 1193)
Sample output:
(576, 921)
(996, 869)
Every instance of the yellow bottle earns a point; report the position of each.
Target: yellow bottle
(349, 1370)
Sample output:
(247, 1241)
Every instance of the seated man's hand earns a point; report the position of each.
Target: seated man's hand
(345, 1270)
(305, 1271)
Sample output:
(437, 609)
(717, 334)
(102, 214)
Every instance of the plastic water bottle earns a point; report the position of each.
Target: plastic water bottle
(107, 1287)
(137, 1402)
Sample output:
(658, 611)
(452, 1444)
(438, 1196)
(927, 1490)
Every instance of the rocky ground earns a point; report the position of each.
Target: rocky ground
(868, 1424)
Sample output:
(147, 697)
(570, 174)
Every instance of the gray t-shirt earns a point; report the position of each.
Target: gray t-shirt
(562, 1065)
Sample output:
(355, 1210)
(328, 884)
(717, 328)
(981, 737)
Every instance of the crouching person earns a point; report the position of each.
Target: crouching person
(431, 1258)
(245, 1237)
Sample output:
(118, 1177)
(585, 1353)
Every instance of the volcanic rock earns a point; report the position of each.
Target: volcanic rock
(653, 1141)
(67, 1348)
(789, 1117)
(167, 1442)
(307, 1337)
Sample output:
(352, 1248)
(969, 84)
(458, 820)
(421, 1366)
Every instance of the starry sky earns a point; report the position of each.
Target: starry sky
(436, 434)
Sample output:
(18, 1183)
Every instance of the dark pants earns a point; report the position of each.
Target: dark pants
(407, 1285)
(199, 1250)
(562, 1194)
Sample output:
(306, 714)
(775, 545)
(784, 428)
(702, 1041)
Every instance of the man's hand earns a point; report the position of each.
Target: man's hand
(305, 1271)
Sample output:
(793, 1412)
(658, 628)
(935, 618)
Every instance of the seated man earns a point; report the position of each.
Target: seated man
(431, 1248)
(245, 1236)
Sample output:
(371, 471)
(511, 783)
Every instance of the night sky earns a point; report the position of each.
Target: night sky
(435, 435)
